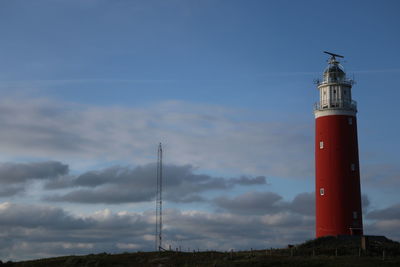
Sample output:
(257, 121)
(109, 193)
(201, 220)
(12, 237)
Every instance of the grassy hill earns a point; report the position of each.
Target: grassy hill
(329, 251)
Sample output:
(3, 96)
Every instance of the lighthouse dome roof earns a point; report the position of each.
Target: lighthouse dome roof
(337, 68)
(334, 72)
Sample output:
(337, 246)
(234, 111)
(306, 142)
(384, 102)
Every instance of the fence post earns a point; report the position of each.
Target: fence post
(383, 255)
(359, 252)
(313, 252)
(291, 252)
(335, 252)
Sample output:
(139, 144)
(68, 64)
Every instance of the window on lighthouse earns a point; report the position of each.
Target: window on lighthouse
(355, 215)
(321, 191)
(353, 167)
(321, 144)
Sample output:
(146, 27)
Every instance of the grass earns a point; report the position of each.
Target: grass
(328, 251)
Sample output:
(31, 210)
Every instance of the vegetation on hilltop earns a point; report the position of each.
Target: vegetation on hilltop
(327, 251)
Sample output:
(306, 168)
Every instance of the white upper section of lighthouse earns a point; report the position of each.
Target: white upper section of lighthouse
(335, 92)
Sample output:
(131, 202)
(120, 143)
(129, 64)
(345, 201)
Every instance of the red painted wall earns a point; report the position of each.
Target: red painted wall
(342, 196)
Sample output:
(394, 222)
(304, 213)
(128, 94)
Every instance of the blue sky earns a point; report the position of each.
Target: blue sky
(227, 86)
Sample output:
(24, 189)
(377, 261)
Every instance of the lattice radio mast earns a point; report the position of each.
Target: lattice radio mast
(159, 200)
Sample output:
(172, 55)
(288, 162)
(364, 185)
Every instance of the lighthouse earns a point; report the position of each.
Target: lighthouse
(337, 171)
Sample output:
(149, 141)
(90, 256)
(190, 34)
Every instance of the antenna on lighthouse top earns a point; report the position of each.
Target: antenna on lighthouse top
(333, 55)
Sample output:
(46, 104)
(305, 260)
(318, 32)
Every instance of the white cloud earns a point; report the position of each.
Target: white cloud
(129, 246)
(384, 221)
(52, 231)
(194, 135)
(210, 137)
(58, 232)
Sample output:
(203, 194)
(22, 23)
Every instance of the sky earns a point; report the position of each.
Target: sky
(90, 87)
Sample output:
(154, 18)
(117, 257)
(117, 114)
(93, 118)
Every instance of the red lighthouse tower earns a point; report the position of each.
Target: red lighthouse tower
(337, 175)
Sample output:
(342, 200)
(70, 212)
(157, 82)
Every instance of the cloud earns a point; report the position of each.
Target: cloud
(18, 215)
(267, 203)
(249, 181)
(384, 221)
(224, 231)
(14, 176)
(303, 203)
(387, 175)
(213, 137)
(11, 190)
(14, 173)
(123, 184)
(390, 213)
(251, 202)
(52, 231)
(32, 231)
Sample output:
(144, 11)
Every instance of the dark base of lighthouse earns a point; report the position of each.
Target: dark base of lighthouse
(364, 242)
